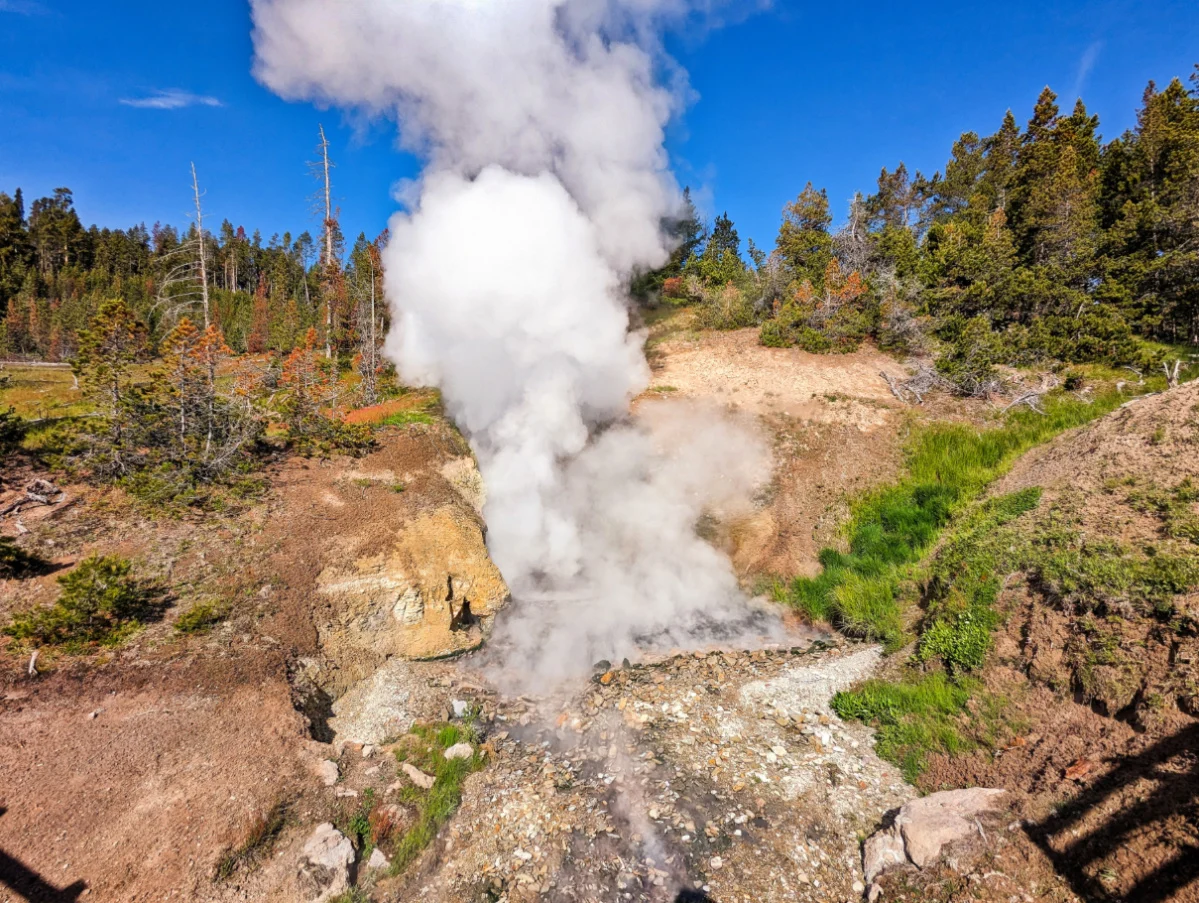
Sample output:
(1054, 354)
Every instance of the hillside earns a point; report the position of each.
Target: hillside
(202, 760)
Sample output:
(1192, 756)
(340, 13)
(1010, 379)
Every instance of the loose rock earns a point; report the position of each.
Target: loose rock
(328, 772)
(459, 751)
(418, 777)
(325, 869)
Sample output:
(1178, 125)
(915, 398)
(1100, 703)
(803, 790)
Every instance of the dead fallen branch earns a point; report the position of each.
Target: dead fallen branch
(38, 493)
(927, 379)
(1032, 397)
(1172, 376)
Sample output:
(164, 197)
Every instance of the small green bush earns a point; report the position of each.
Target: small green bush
(200, 617)
(12, 430)
(100, 602)
(15, 562)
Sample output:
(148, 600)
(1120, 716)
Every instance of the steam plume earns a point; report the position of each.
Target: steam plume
(543, 124)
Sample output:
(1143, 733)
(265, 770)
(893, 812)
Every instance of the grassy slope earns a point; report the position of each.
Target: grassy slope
(871, 590)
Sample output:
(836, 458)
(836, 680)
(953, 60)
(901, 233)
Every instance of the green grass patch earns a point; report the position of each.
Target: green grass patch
(891, 529)
(1175, 507)
(200, 618)
(914, 718)
(357, 826)
(425, 748)
(964, 579)
(1097, 578)
(406, 418)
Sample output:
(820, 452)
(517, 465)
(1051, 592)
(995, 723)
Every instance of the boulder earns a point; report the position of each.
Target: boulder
(435, 592)
(931, 822)
(923, 828)
(325, 868)
(377, 861)
(460, 751)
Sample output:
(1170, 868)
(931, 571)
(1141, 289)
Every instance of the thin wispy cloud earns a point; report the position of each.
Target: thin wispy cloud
(22, 7)
(1085, 64)
(170, 100)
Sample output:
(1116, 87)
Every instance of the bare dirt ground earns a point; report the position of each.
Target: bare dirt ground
(837, 430)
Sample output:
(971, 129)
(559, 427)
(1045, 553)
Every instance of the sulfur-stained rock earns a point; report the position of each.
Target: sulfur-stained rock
(434, 593)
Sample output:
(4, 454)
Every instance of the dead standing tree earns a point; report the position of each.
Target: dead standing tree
(332, 283)
(184, 285)
(367, 295)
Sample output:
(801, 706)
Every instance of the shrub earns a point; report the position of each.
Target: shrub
(12, 430)
(15, 562)
(835, 316)
(100, 602)
(972, 352)
(200, 617)
(307, 402)
(727, 307)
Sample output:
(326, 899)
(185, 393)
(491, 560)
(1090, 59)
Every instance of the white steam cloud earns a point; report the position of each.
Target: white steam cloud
(543, 125)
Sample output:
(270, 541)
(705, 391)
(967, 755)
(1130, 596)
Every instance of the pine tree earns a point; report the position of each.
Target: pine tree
(804, 243)
(721, 261)
(1054, 207)
(260, 322)
(1150, 206)
(107, 352)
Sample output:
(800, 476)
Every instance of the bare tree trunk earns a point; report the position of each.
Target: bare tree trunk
(328, 242)
(374, 343)
(200, 236)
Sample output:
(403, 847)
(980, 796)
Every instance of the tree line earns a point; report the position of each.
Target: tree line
(55, 275)
(1033, 244)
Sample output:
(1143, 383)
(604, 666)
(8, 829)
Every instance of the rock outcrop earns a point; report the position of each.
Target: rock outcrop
(923, 828)
(434, 593)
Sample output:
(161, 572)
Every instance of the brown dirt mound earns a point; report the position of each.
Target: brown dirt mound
(1105, 761)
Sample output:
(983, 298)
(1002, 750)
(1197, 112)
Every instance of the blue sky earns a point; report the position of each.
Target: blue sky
(116, 99)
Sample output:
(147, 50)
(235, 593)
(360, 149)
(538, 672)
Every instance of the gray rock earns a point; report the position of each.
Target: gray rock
(460, 751)
(376, 708)
(377, 861)
(328, 772)
(461, 707)
(881, 852)
(929, 823)
(325, 868)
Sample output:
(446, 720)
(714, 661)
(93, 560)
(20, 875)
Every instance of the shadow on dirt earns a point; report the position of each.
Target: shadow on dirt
(1172, 765)
(25, 882)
